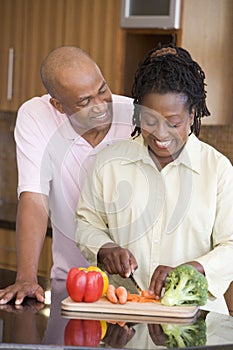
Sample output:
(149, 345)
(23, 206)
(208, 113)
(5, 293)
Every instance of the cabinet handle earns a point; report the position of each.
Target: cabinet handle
(10, 74)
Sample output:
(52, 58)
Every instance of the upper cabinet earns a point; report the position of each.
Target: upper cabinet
(94, 25)
(207, 32)
(29, 30)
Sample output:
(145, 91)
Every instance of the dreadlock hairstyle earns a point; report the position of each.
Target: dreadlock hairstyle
(170, 69)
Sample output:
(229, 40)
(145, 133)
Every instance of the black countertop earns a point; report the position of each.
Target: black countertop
(39, 326)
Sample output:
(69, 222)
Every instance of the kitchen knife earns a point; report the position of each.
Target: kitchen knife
(135, 283)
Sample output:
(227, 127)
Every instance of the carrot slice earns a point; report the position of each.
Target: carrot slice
(146, 294)
(145, 297)
(133, 297)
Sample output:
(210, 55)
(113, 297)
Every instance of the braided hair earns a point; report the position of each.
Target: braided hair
(170, 69)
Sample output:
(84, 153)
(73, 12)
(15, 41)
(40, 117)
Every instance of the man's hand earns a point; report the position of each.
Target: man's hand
(20, 290)
(117, 260)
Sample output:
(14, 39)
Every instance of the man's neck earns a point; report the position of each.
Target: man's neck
(95, 136)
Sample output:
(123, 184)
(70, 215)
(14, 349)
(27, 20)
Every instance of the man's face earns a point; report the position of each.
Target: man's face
(165, 124)
(85, 97)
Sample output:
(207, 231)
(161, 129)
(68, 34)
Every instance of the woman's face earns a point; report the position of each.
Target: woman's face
(165, 125)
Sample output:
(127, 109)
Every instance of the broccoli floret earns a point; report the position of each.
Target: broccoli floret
(188, 335)
(185, 285)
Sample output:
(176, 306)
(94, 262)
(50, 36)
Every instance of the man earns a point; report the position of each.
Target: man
(57, 137)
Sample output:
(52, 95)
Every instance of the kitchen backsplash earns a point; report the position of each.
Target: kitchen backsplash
(218, 136)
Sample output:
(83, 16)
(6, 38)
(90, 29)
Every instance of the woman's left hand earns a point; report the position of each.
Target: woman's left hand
(158, 279)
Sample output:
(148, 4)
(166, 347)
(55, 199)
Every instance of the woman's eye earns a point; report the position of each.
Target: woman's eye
(151, 123)
(172, 125)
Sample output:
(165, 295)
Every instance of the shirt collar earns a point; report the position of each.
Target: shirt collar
(189, 157)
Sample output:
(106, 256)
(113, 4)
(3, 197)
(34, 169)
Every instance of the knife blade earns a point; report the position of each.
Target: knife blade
(135, 283)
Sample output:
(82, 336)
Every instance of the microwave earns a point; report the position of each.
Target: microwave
(163, 14)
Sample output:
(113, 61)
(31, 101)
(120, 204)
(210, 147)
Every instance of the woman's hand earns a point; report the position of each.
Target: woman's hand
(158, 279)
(160, 273)
(118, 336)
(117, 260)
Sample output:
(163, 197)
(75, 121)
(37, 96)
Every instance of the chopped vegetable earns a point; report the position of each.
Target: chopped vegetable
(185, 285)
(188, 335)
(145, 297)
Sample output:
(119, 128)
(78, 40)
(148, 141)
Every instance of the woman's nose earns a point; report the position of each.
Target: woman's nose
(161, 130)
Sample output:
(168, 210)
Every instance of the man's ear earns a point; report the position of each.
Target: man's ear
(56, 104)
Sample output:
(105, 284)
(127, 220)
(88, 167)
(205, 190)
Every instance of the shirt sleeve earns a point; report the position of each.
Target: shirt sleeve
(31, 153)
(219, 261)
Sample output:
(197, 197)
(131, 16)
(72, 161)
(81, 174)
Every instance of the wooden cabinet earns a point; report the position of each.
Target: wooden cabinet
(94, 25)
(29, 30)
(207, 31)
(8, 253)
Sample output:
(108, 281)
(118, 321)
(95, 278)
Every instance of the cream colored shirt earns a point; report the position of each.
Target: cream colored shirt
(168, 217)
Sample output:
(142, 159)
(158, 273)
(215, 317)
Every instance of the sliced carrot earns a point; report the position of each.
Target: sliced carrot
(145, 297)
(111, 294)
(121, 294)
(133, 297)
(146, 293)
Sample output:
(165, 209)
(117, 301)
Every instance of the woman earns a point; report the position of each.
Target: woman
(163, 198)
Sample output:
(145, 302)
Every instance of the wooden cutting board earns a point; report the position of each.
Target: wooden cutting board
(154, 309)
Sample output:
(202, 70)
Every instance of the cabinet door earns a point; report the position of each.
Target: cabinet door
(30, 30)
(94, 25)
(207, 31)
(11, 21)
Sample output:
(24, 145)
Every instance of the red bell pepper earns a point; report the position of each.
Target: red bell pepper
(83, 333)
(84, 285)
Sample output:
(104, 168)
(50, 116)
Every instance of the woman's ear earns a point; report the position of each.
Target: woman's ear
(192, 114)
(56, 104)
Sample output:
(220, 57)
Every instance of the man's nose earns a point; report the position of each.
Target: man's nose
(99, 106)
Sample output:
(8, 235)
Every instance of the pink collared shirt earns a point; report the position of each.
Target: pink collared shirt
(53, 159)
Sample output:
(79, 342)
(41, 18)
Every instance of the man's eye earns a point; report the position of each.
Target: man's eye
(84, 103)
(103, 90)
